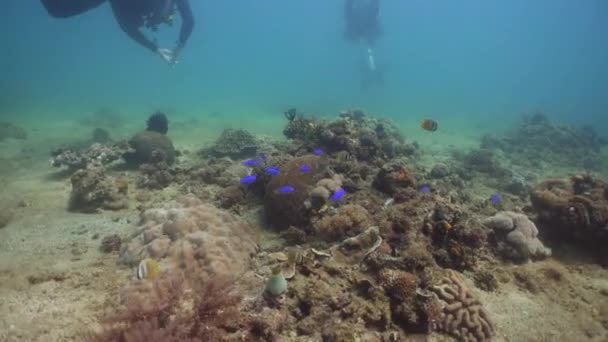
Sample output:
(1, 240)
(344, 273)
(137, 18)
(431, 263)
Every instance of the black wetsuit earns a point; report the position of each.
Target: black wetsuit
(69, 8)
(362, 20)
(131, 16)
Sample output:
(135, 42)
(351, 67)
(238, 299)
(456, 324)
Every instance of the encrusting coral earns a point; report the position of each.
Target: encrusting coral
(520, 234)
(196, 235)
(350, 220)
(463, 315)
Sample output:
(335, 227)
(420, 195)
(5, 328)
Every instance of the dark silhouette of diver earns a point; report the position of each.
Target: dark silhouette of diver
(363, 27)
(132, 15)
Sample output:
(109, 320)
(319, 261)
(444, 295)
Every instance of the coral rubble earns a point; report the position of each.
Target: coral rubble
(96, 155)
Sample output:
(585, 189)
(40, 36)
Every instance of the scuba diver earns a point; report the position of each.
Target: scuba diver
(363, 27)
(132, 15)
(362, 24)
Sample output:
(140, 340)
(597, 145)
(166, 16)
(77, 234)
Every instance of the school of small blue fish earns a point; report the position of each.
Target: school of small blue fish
(287, 189)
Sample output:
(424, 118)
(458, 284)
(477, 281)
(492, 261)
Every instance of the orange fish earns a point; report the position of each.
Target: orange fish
(429, 125)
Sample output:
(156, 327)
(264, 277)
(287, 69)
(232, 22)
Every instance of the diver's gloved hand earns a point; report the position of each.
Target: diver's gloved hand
(167, 55)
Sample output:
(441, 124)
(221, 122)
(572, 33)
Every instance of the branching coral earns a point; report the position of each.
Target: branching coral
(463, 315)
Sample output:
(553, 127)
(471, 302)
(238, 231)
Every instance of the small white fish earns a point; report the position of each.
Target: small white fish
(388, 203)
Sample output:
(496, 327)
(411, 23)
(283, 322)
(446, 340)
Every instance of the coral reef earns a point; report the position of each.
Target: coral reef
(349, 220)
(230, 196)
(148, 146)
(574, 210)
(440, 170)
(463, 315)
(96, 155)
(394, 176)
(356, 249)
(196, 235)
(158, 122)
(92, 190)
(483, 160)
(520, 235)
(321, 193)
(518, 186)
(290, 209)
(156, 174)
(10, 131)
(537, 140)
(364, 137)
(222, 171)
(339, 305)
(234, 143)
(401, 287)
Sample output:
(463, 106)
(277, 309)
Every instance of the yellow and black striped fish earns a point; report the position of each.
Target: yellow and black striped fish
(429, 125)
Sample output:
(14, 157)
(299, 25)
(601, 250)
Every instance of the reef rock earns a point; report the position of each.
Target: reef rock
(574, 210)
(92, 190)
(197, 235)
(463, 315)
(520, 235)
(394, 176)
(146, 143)
(234, 143)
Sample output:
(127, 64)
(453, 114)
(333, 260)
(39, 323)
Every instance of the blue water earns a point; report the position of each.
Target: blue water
(469, 60)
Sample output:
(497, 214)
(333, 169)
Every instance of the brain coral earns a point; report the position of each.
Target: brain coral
(462, 315)
(196, 235)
